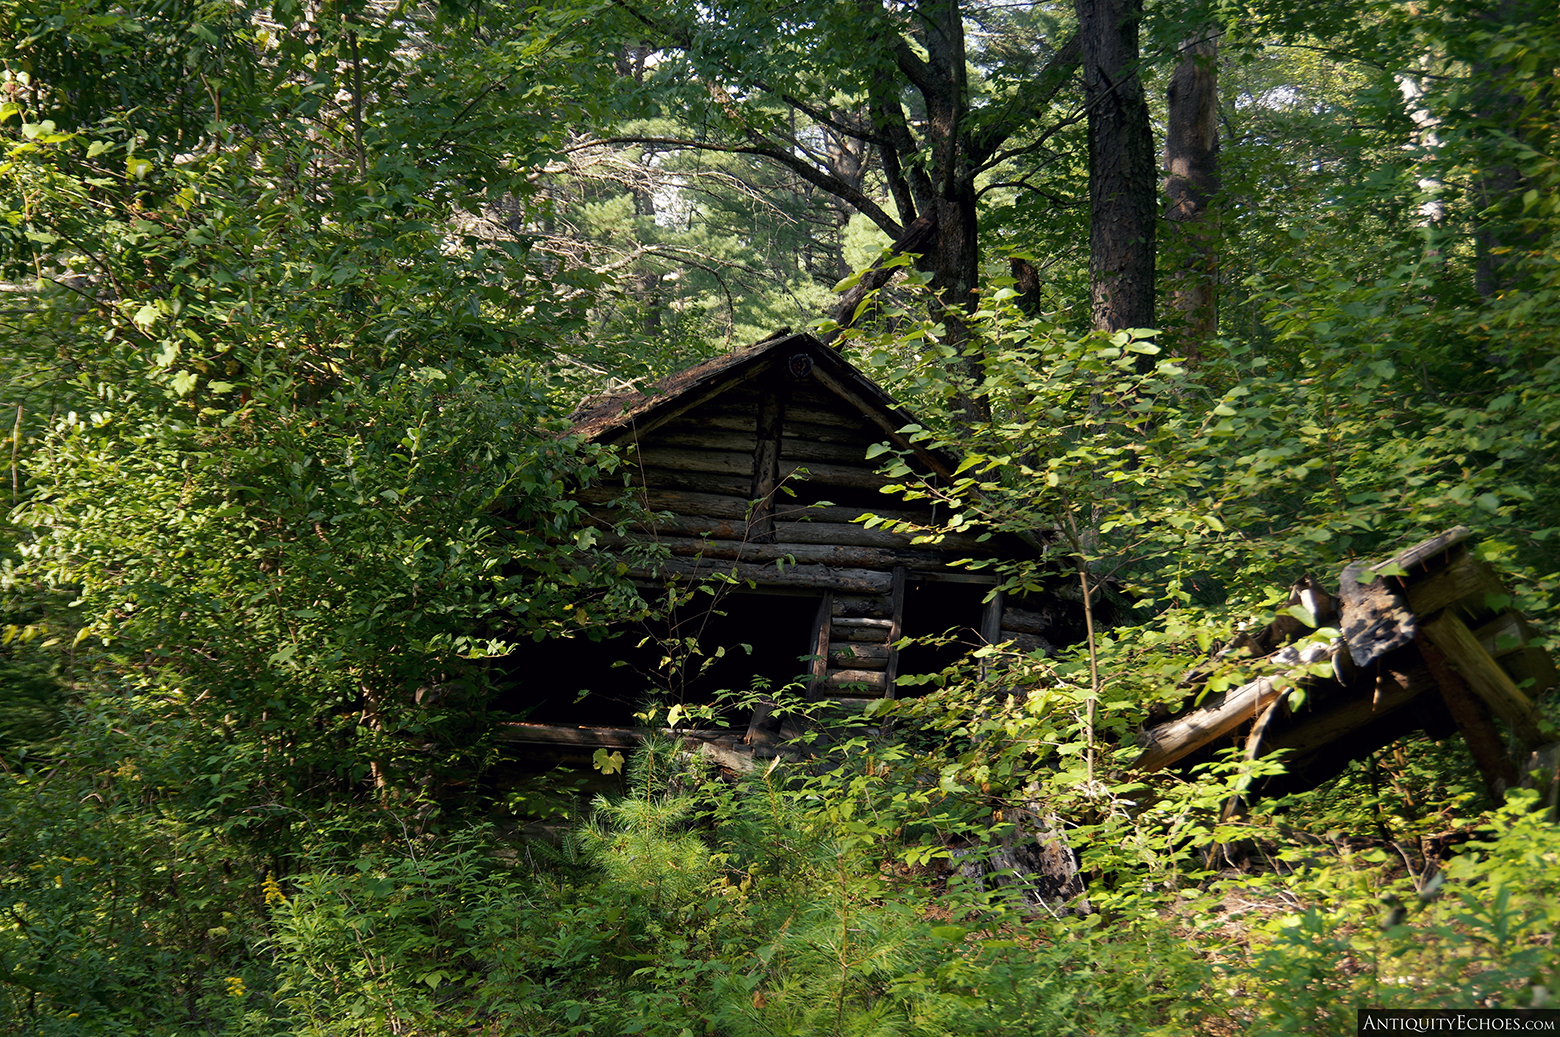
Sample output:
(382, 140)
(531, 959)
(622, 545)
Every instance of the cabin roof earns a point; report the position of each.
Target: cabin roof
(637, 412)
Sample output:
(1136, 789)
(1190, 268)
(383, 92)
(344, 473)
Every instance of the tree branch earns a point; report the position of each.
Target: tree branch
(1037, 92)
(818, 178)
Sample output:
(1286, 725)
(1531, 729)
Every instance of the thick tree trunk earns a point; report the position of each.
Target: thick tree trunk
(1123, 206)
(1191, 182)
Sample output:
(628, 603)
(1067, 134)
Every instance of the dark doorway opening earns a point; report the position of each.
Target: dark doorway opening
(712, 650)
(944, 618)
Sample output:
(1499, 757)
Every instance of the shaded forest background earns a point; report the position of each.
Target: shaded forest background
(296, 299)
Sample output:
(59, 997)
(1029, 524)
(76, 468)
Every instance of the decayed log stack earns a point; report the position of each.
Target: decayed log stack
(1429, 642)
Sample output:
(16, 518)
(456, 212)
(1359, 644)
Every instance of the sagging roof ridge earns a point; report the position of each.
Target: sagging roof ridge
(640, 409)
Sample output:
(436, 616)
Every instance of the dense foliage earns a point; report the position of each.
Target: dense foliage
(294, 299)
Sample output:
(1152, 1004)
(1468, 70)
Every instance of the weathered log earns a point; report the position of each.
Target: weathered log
(726, 462)
(766, 465)
(800, 554)
(687, 502)
(725, 485)
(849, 435)
(809, 450)
(829, 533)
(1178, 738)
(860, 606)
(719, 747)
(1393, 691)
(1473, 721)
(1023, 621)
(872, 623)
(1464, 577)
(1025, 643)
(863, 635)
(811, 413)
(858, 656)
(874, 679)
(1426, 551)
(694, 436)
(1462, 649)
(721, 462)
(821, 577)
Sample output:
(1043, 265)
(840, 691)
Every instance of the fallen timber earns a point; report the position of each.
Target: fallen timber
(1429, 641)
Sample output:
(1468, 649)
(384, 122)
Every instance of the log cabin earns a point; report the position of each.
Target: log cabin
(746, 478)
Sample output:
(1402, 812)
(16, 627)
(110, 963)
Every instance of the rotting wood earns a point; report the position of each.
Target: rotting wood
(823, 633)
(1484, 676)
(1025, 643)
(719, 747)
(1464, 577)
(852, 435)
(1393, 691)
(738, 506)
(1178, 738)
(696, 437)
(896, 631)
(1426, 550)
(1473, 722)
(863, 606)
(808, 450)
(725, 485)
(1376, 618)
(1429, 587)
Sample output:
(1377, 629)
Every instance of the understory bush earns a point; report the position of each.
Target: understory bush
(799, 901)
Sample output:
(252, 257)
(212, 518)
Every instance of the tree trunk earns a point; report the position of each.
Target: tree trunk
(1191, 182)
(1122, 190)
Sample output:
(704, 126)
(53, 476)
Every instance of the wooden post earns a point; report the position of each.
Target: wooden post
(1462, 649)
(1479, 733)
(823, 628)
(896, 627)
(990, 627)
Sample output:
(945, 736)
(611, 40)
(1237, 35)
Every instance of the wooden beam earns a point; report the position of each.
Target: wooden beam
(1464, 577)
(874, 679)
(833, 555)
(1473, 721)
(1179, 738)
(873, 411)
(1463, 651)
(822, 577)
(1427, 551)
(896, 630)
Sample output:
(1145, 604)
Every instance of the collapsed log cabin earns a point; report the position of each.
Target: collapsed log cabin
(1430, 642)
(746, 476)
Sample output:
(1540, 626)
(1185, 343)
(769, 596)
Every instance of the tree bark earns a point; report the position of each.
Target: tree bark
(1122, 191)
(1191, 182)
